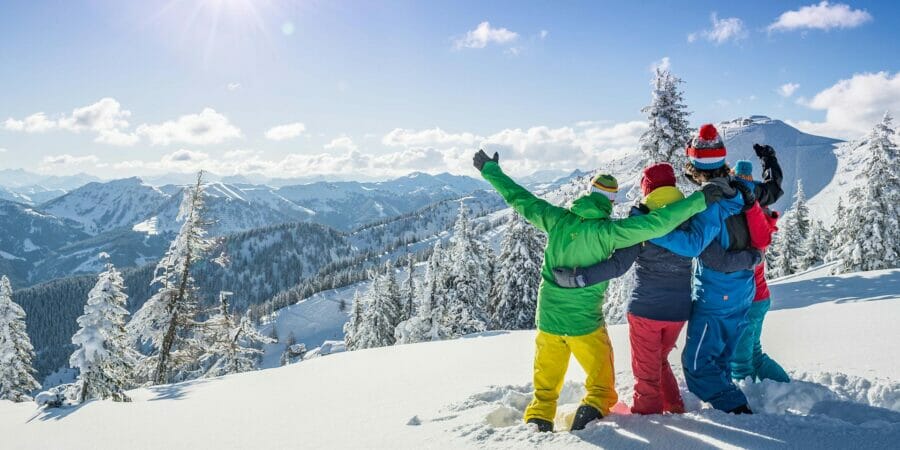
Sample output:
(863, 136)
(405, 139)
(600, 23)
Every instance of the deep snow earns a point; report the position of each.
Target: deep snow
(837, 336)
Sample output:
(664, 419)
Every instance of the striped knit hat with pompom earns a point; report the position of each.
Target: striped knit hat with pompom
(605, 185)
(707, 151)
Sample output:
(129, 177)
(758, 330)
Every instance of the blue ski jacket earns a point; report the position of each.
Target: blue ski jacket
(713, 291)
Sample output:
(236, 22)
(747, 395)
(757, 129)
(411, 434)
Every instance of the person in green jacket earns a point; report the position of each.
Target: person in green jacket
(570, 321)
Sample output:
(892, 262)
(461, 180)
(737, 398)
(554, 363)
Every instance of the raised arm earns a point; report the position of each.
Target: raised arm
(614, 267)
(769, 190)
(717, 258)
(536, 211)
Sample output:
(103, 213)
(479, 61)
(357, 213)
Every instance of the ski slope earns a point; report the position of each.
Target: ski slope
(837, 335)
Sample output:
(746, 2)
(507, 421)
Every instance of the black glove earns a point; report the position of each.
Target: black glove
(712, 193)
(568, 278)
(746, 192)
(763, 151)
(481, 158)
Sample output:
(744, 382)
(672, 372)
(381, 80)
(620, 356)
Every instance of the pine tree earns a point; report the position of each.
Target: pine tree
(230, 346)
(382, 316)
(351, 328)
(425, 325)
(669, 130)
(468, 282)
(786, 255)
(104, 358)
(16, 353)
(815, 247)
(408, 293)
(168, 319)
(869, 233)
(514, 294)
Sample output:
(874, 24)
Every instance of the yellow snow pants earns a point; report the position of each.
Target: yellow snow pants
(551, 360)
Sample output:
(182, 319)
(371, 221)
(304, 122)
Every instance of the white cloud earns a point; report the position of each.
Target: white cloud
(544, 34)
(484, 34)
(233, 86)
(106, 118)
(35, 123)
(853, 106)
(723, 30)
(823, 16)
(434, 137)
(341, 143)
(208, 127)
(286, 131)
(105, 114)
(788, 89)
(67, 159)
(3, 150)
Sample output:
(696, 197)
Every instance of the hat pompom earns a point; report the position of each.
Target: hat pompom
(708, 132)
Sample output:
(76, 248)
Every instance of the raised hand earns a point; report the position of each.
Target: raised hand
(481, 158)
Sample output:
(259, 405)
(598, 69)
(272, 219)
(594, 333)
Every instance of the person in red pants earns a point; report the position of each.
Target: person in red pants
(661, 301)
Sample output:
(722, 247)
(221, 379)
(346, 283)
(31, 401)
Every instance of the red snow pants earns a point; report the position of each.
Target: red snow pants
(655, 388)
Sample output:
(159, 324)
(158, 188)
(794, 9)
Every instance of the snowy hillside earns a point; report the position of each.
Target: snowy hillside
(812, 159)
(100, 207)
(471, 392)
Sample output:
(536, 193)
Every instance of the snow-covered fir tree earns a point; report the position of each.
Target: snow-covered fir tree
(382, 315)
(469, 281)
(518, 276)
(351, 328)
(230, 345)
(168, 319)
(815, 247)
(104, 357)
(408, 291)
(669, 130)
(868, 235)
(423, 326)
(786, 255)
(16, 353)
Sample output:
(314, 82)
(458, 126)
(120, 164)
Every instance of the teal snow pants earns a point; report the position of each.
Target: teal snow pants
(749, 359)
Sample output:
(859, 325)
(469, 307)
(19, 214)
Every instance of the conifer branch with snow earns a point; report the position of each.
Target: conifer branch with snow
(16, 352)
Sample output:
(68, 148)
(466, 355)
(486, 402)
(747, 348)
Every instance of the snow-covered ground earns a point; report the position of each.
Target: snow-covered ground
(836, 334)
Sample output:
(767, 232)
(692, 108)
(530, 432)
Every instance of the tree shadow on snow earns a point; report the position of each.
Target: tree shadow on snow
(800, 294)
(176, 391)
(57, 413)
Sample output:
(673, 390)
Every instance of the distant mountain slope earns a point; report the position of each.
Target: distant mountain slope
(347, 205)
(29, 235)
(101, 207)
(802, 156)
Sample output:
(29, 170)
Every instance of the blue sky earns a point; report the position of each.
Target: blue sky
(386, 87)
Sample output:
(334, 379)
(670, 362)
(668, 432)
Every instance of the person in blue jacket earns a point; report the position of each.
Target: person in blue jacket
(720, 300)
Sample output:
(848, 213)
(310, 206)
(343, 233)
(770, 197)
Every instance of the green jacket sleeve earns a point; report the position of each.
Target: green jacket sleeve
(636, 229)
(536, 211)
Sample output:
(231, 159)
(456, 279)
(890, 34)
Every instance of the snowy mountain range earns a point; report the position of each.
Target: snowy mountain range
(132, 220)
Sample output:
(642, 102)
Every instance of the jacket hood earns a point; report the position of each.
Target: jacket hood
(592, 206)
(662, 196)
(733, 201)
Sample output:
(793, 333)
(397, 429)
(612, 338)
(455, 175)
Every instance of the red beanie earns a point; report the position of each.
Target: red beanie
(657, 175)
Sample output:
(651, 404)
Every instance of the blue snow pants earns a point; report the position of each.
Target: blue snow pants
(712, 337)
(749, 359)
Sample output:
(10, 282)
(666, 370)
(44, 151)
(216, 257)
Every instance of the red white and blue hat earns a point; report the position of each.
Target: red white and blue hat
(706, 151)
